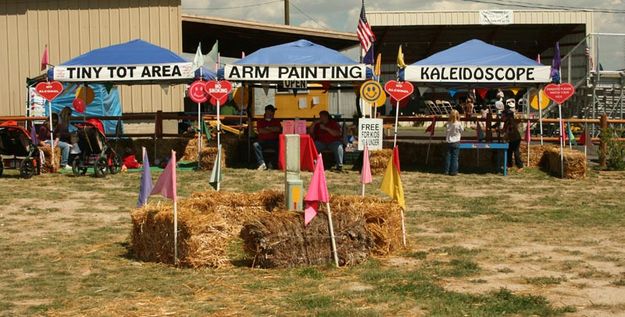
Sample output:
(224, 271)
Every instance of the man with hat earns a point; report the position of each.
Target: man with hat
(268, 130)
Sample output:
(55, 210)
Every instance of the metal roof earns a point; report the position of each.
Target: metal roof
(422, 33)
(237, 35)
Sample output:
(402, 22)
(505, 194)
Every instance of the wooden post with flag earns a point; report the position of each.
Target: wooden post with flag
(392, 186)
(318, 192)
(166, 186)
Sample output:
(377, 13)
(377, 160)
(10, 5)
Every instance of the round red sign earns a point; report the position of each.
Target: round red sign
(196, 92)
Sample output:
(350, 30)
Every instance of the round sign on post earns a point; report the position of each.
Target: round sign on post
(49, 90)
(218, 89)
(399, 89)
(559, 93)
(544, 101)
(371, 91)
(196, 92)
(86, 94)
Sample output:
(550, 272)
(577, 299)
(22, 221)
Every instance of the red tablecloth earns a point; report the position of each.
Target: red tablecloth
(307, 150)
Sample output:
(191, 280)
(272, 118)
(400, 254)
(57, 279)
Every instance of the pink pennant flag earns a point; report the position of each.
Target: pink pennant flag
(317, 192)
(365, 174)
(45, 59)
(166, 184)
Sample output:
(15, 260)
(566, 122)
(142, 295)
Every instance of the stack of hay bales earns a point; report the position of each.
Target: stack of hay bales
(49, 166)
(537, 154)
(378, 160)
(575, 164)
(190, 151)
(362, 226)
(207, 224)
(210, 222)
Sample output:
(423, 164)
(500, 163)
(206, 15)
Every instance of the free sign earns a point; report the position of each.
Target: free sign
(399, 89)
(559, 93)
(219, 90)
(49, 90)
(196, 92)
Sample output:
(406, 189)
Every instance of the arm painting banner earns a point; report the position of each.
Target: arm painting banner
(295, 72)
(477, 74)
(150, 72)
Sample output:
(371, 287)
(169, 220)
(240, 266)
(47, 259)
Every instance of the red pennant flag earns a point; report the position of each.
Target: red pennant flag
(482, 92)
(317, 191)
(166, 184)
(45, 59)
(431, 127)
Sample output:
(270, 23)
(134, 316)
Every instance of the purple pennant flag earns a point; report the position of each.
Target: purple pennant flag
(555, 64)
(33, 135)
(146, 181)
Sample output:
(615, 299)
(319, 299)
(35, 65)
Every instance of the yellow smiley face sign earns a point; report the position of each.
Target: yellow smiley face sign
(372, 92)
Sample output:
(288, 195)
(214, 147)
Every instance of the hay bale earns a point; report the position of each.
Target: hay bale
(190, 151)
(378, 160)
(362, 226)
(537, 154)
(208, 222)
(50, 166)
(575, 164)
(208, 157)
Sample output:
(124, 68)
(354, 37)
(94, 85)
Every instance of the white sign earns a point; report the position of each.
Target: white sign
(36, 104)
(370, 133)
(124, 72)
(477, 74)
(295, 72)
(498, 17)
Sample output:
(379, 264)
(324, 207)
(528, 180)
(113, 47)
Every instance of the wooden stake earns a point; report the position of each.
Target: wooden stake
(403, 226)
(199, 134)
(334, 254)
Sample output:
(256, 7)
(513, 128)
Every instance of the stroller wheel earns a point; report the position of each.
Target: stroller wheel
(27, 168)
(77, 167)
(101, 167)
(116, 164)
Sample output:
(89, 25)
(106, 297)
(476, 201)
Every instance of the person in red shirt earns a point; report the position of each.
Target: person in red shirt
(268, 130)
(327, 136)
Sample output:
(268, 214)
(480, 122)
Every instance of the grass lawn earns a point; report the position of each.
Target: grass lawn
(479, 245)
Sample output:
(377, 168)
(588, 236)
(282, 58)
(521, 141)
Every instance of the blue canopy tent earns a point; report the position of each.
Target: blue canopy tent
(134, 62)
(299, 60)
(476, 62)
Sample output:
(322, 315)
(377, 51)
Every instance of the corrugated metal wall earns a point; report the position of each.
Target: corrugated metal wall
(397, 18)
(74, 27)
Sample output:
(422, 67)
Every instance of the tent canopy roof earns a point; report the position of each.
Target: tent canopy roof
(477, 53)
(302, 52)
(135, 52)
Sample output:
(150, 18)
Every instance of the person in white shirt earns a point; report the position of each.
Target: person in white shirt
(453, 133)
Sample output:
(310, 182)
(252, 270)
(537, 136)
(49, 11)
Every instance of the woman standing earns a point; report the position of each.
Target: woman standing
(453, 132)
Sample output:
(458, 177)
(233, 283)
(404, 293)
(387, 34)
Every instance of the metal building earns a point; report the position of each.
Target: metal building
(74, 27)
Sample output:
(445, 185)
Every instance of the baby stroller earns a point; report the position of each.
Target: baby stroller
(16, 141)
(94, 151)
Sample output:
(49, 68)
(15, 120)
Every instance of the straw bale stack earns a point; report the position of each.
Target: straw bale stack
(190, 151)
(575, 164)
(362, 226)
(378, 160)
(208, 223)
(47, 153)
(537, 154)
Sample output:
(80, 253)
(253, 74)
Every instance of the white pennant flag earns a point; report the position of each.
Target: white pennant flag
(198, 60)
(423, 90)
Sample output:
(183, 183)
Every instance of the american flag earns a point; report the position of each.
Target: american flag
(365, 35)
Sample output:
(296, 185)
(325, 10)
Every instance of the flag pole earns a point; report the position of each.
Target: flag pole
(403, 226)
(562, 144)
(396, 120)
(540, 114)
(334, 253)
(218, 138)
(175, 232)
(51, 136)
(199, 133)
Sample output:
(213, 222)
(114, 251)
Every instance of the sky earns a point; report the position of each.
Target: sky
(342, 15)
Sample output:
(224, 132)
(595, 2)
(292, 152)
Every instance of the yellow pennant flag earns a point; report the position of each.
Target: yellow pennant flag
(400, 59)
(515, 90)
(378, 65)
(391, 183)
